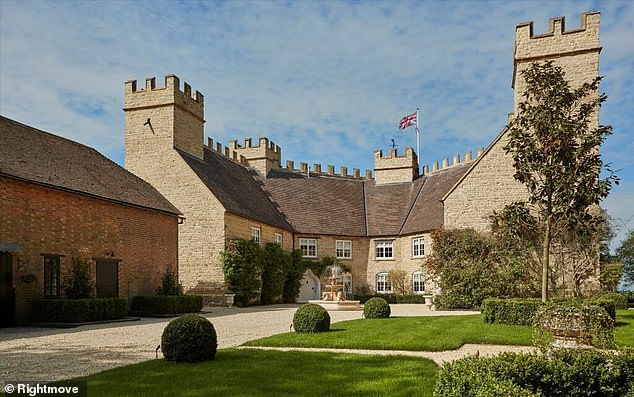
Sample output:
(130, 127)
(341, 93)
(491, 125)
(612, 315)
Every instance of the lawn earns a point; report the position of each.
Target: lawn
(269, 373)
(425, 334)
(406, 333)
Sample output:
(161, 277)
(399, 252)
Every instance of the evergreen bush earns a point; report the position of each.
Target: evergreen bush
(311, 318)
(376, 308)
(189, 338)
(166, 304)
(510, 311)
(275, 263)
(242, 267)
(169, 283)
(78, 310)
(80, 284)
(562, 373)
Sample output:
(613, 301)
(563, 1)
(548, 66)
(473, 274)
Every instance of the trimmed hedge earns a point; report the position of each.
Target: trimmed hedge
(189, 338)
(167, 304)
(311, 318)
(79, 310)
(522, 311)
(565, 373)
(392, 298)
(376, 308)
(510, 311)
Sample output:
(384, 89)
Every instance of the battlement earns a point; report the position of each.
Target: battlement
(227, 152)
(317, 170)
(169, 94)
(395, 168)
(263, 144)
(262, 158)
(468, 157)
(557, 42)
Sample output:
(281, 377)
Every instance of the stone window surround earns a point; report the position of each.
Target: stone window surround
(305, 245)
(343, 249)
(381, 247)
(279, 239)
(418, 244)
(256, 234)
(418, 279)
(383, 286)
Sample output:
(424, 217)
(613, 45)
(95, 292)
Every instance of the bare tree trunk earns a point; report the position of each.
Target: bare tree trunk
(546, 259)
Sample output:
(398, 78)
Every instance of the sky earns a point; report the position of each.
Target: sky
(327, 81)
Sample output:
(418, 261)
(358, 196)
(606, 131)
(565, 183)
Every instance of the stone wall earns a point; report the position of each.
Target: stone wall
(358, 263)
(395, 168)
(239, 227)
(44, 220)
(403, 260)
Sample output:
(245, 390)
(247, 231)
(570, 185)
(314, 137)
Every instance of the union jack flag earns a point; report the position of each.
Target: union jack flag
(410, 119)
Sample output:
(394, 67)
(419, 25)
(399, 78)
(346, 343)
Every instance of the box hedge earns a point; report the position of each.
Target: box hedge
(565, 373)
(79, 310)
(510, 311)
(166, 304)
(392, 298)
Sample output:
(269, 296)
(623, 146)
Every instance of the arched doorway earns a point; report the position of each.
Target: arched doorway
(310, 288)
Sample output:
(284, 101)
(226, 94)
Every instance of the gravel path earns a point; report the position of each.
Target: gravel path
(48, 354)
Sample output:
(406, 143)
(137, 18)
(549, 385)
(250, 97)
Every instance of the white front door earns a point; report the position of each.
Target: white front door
(310, 288)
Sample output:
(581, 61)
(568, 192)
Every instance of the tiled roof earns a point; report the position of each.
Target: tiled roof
(236, 188)
(33, 155)
(345, 207)
(319, 204)
(427, 212)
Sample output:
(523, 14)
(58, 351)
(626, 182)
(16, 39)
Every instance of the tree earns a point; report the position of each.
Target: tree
(398, 281)
(555, 151)
(626, 253)
(169, 283)
(80, 284)
(242, 266)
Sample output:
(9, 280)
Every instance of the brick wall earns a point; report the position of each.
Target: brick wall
(44, 220)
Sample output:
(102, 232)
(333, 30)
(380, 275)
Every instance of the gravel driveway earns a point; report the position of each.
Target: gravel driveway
(48, 354)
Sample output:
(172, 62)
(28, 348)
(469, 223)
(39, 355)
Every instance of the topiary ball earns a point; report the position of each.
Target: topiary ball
(189, 338)
(310, 318)
(376, 308)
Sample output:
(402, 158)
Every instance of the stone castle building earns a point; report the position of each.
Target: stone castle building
(373, 222)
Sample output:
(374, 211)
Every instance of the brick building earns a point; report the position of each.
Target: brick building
(373, 222)
(58, 197)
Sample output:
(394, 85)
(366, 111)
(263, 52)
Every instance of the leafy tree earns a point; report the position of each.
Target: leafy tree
(80, 285)
(626, 253)
(242, 266)
(275, 263)
(294, 273)
(555, 153)
(169, 283)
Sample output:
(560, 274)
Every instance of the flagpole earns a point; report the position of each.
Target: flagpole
(417, 134)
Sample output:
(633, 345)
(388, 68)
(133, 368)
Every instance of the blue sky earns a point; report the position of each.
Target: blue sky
(326, 80)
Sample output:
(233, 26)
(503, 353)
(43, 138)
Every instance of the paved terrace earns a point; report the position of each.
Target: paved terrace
(48, 354)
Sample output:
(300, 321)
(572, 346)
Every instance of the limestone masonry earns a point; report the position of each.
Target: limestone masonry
(373, 221)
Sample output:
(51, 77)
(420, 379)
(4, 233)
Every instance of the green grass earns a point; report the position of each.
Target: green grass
(406, 333)
(624, 331)
(270, 373)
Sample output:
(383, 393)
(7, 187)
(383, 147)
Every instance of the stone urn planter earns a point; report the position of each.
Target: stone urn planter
(230, 297)
(428, 300)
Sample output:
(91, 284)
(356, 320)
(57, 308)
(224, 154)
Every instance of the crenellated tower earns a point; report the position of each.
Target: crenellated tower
(264, 157)
(395, 168)
(158, 119)
(576, 51)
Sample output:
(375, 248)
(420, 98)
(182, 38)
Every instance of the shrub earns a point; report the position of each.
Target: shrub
(392, 298)
(619, 299)
(274, 264)
(310, 318)
(510, 311)
(242, 267)
(629, 295)
(588, 324)
(167, 304)
(169, 283)
(79, 310)
(293, 276)
(569, 373)
(189, 338)
(80, 284)
(376, 308)
(607, 304)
